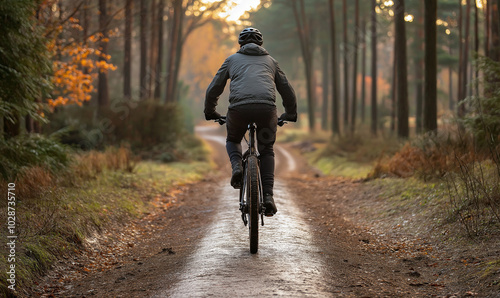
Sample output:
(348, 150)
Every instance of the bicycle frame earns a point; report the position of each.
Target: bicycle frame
(251, 197)
(251, 151)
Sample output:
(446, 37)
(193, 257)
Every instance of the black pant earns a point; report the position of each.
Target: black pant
(266, 119)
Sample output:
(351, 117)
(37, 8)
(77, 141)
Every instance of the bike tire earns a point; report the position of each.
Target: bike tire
(253, 202)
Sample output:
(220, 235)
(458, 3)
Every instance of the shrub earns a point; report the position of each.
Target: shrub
(141, 124)
(362, 147)
(31, 150)
(149, 129)
(483, 117)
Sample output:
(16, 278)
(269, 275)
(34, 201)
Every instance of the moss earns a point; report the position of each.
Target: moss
(342, 167)
(490, 269)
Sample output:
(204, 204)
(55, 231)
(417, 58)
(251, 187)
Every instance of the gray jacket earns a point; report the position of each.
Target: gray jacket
(255, 77)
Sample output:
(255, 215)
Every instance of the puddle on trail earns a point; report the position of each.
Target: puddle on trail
(287, 263)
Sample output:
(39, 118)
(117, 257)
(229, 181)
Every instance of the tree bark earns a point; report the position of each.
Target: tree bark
(494, 47)
(178, 57)
(304, 30)
(346, 68)
(460, 55)
(393, 90)
(103, 92)
(476, 47)
(325, 80)
(127, 63)
(451, 98)
(402, 85)
(464, 61)
(354, 100)
(143, 94)
(159, 57)
(430, 115)
(335, 73)
(419, 69)
(174, 38)
(363, 71)
(153, 48)
(487, 5)
(85, 22)
(374, 69)
(12, 128)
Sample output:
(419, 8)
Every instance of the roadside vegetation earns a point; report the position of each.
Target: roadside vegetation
(446, 183)
(63, 198)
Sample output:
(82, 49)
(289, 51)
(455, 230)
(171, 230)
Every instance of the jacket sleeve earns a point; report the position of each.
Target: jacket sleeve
(286, 91)
(216, 88)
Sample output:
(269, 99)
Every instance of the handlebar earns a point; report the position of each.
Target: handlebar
(222, 120)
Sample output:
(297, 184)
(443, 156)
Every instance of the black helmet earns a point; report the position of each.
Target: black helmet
(249, 35)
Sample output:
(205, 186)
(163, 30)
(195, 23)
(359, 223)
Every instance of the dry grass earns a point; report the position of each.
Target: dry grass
(471, 172)
(90, 164)
(429, 157)
(56, 211)
(33, 182)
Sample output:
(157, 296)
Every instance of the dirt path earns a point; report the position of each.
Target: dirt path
(199, 247)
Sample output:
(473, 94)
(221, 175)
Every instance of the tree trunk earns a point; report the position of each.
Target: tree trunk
(374, 69)
(153, 48)
(159, 56)
(12, 128)
(29, 124)
(451, 99)
(419, 70)
(355, 67)
(103, 92)
(143, 94)
(476, 47)
(402, 85)
(85, 31)
(494, 48)
(304, 30)
(346, 67)
(393, 89)
(172, 51)
(460, 55)
(178, 58)
(326, 83)
(487, 13)
(335, 76)
(127, 63)
(430, 115)
(85, 22)
(464, 61)
(363, 71)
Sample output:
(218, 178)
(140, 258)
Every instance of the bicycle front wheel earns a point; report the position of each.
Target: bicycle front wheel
(253, 202)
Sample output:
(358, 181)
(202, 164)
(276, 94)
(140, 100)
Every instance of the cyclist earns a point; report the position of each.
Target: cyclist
(255, 76)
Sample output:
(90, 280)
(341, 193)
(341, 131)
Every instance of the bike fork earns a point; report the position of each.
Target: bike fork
(243, 203)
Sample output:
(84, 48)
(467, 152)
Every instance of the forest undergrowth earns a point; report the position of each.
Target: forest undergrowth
(58, 208)
(447, 185)
(468, 173)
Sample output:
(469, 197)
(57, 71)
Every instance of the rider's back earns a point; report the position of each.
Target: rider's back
(254, 76)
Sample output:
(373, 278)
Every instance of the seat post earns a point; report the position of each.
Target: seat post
(251, 138)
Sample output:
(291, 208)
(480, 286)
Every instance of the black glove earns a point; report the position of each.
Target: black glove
(289, 117)
(213, 116)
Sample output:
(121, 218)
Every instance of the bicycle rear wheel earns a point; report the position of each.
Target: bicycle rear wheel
(253, 202)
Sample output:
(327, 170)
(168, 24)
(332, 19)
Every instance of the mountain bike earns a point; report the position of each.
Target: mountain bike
(251, 196)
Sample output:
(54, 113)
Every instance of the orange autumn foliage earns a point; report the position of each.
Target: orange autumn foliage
(75, 65)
